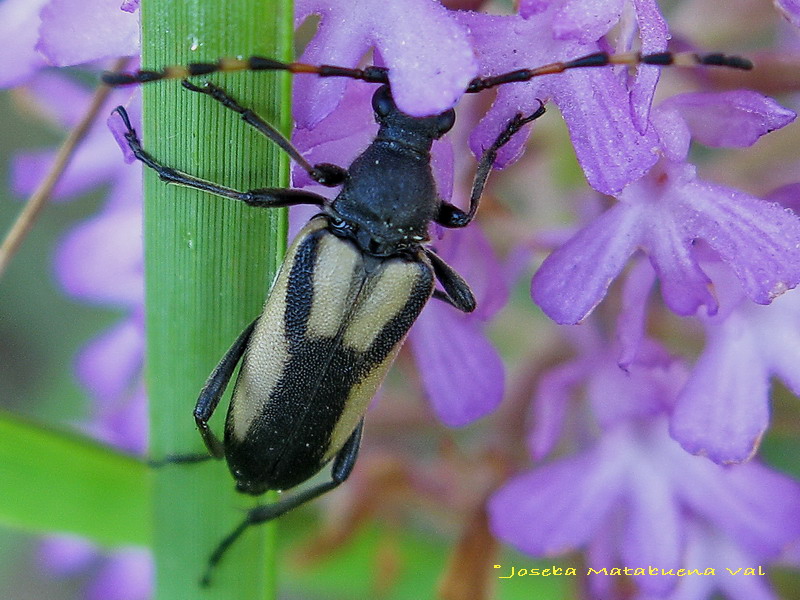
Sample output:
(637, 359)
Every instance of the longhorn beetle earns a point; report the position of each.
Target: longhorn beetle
(353, 281)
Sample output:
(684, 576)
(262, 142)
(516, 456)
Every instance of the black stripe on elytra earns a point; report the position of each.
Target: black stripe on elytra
(270, 453)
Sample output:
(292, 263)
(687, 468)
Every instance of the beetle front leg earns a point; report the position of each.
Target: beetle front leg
(453, 217)
(264, 198)
(342, 467)
(323, 173)
(456, 290)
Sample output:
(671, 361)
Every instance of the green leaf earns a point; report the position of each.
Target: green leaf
(54, 481)
(208, 265)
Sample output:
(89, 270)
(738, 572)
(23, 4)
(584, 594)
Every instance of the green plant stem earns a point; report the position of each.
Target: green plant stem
(209, 262)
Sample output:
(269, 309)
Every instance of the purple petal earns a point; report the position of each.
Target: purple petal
(79, 31)
(462, 372)
(443, 166)
(101, 259)
(586, 20)
(750, 588)
(130, 5)
(90, 166)
(729, 119)
(111, 361)
(760, 241)
(530, 8)
(609, 147)
(723, 410)
(65, 554)
(575, 278)
(496, 119)
(594, 102)
(127, 575)
(654, 34)
(684, 286)
(19, 31)
(469, 252)
(654, 529)
(552, 398)
(755, 506)
(790, 10)
(633, 314)
(73, 98)
(557, 507)
(710, 549)
(339, 137)
(646, 389)
(777, 326)
(673, 132)
(126, 425)
(427, 52)
(787, 195)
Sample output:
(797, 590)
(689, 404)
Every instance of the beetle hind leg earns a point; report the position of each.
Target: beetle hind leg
(342, 467)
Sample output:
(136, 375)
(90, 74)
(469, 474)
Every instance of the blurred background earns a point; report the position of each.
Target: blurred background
(410, 507)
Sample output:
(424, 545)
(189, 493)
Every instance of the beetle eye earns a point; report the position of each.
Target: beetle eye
(445, 121)
(382, 101)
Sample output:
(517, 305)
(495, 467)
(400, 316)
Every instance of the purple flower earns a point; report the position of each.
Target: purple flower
(126, 575)
(427, 52)
(74, 32)
(38, 33)
(461, 370)
(723, 411)
(19, 20)
(668, 210)
(632, 497)
(790, 10)
(595, 103)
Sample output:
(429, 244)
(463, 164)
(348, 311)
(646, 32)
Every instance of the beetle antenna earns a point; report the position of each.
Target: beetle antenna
(604, 59)
(373, 74)
(369, 74)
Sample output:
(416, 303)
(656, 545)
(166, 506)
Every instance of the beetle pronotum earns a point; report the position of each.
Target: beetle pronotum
(352, 283)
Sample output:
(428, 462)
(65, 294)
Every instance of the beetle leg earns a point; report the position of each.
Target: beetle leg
(207, 403)
(266, 197)
(456, 290)
(452, 216)
(324, 173)
(214, 388)
(342, 467)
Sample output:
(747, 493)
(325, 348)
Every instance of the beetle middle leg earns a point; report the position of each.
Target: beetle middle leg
(452, 216)
(342, 467)
(323, 173)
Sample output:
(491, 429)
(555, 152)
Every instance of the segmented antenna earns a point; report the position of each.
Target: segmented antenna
(374, 74)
